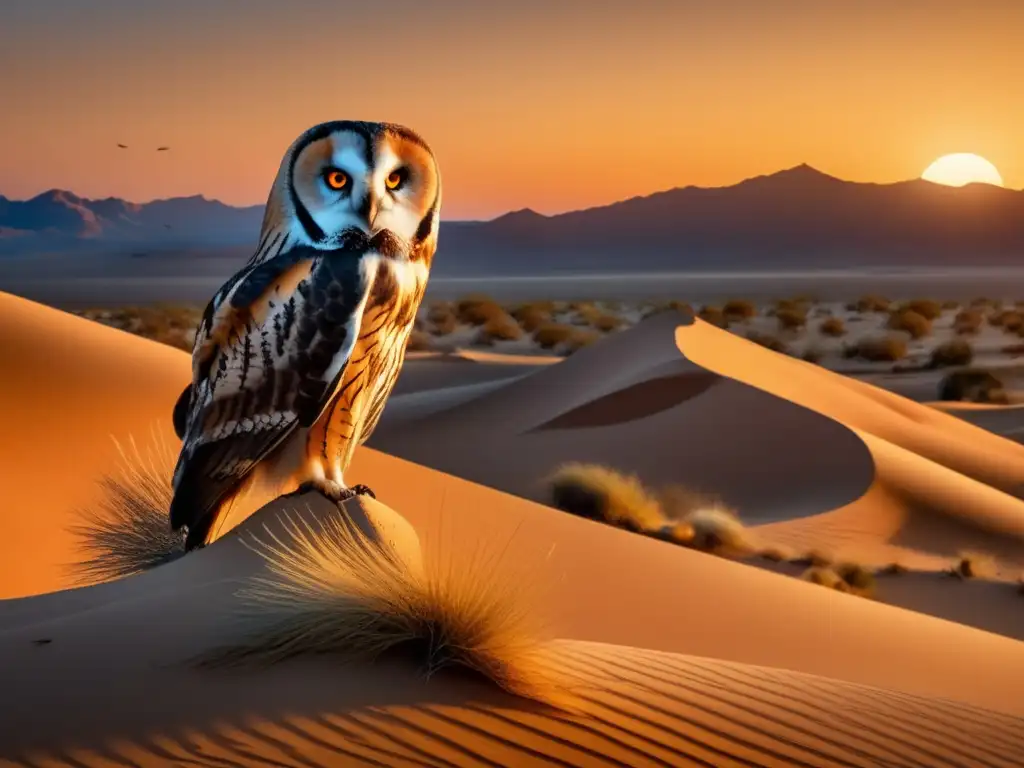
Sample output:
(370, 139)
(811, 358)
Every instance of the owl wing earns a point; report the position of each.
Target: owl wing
(268, 355)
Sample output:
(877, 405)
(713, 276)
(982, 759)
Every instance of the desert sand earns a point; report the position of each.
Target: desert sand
(672, 656)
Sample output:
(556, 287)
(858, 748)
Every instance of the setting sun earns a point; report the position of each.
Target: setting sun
(962, 168)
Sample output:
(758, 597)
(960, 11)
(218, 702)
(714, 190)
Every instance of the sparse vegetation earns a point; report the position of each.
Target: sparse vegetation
(420, 341)
(578, 339)
(967, 322)
(739, 309)
(832, 326)
(814, 558)
(870, 303)
(550, 335)
(909, 321)
(584, 312)
(952, 352)
(791, 318)
(478, 310)
(533, 315)
(878, 349)
(674, 306)
(606, 323)
(768, 341)
(171, 324)
(1009, 320)
(893, 569)
(713, 315)
(600, 493)
(776, 554)
(334, 590)
(973, 565)
(129, 531)
(972, 385)
(717, 529)
(929, 309)
(499, 328)
(845, 577)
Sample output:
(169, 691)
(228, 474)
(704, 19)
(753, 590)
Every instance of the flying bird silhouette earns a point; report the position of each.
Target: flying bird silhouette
(162, 149)
(123, 146)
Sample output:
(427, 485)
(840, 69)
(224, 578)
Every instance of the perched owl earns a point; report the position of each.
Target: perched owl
(297, 353)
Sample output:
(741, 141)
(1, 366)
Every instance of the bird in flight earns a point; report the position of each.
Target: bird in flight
(297, 353)
(123, 146)
(162, 149)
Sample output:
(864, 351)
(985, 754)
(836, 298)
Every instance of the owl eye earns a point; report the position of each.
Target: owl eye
(396, 179)
(335, 179)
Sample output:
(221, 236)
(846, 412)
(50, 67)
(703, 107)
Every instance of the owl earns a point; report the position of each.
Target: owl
(296, 354)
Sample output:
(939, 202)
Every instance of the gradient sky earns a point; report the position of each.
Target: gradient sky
(552, 105)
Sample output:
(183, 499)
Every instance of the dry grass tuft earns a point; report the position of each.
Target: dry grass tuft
(601, 493)
(878, 349)
(952, 352)
(859, 578)
(717, 529)
(973, 385)
(909, 321)
(768, 341)
(870, 303)
(533, 315)
(334, 590)
(893, 569)
(973, 565)
(1007, 319)
(824, 576)
(130, 532)
(776, 554)
(832, 326)
(606, 323)
(477, 309)
(499, 328)
(791, 318)
(967, 322)
(713, 315)
(814, 558)
(739, 309)
(420, 341)
(929, 309)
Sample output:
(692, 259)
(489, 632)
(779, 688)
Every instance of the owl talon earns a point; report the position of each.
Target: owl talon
(333, 491)
(363, 490)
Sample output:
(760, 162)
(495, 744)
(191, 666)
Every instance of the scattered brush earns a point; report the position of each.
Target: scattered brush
(713, 315)
(973, 565)
(815, 558)
(717, 529)
(739, 309)
(499, 328)
(832, 326)
(601, 493)
(967, 322)
(860, 579)
(929, 309)
(870, 303)
(532, 316)
(776, 554)
(606, 323)
(973, 385)
(766, 340)
(420, 341)
(334, 590)
(791, 318)
(675, 306)
(129, 532)
(477, 309)
(826, 577)
(910, 322)
(950, 353)
(893, 569)
(881, 349)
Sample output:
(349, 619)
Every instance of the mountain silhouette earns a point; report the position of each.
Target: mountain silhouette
(799, 217)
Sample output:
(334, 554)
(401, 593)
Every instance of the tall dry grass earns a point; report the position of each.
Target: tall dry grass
(129, 531)
(333, 590)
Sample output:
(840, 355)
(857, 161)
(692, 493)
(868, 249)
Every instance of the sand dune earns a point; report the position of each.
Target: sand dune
(679, 658)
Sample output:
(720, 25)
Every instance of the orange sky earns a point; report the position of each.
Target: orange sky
(553, 105)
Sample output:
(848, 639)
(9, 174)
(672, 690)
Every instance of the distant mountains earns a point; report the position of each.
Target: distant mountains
(796, 218)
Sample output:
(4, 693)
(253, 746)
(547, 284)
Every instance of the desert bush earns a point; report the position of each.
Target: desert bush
(893, 569)
(870, 303)
(129, 531)
(950, 304)
(972, 385)
(739, 309)
(909, 321)
(478, 309)
(419, 341)
(1006, 319)
(952, 352)
(713, 315)
(717, 529)
(796, 304)
(768, 341)
(812, 355)
(550, 335)
(499, 328)
(439, 311)
(679, 501)
(533, 315)
(929, 309)
(832, 326)
(775, 554)
(815, 558)
(825, 577)
(603, 494)
(878, 349)
(860, 580)
(983, 302)
(607, 323)
(674, 306)
(334, 590)
(790, 319)
(967, 321)
(444, 325)
(973, 565)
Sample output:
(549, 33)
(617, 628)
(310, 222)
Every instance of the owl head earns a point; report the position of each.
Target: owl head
(345, 179)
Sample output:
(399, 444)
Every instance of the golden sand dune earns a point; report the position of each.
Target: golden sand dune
(675, 657)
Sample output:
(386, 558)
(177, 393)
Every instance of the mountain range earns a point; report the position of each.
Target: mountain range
(796, 218)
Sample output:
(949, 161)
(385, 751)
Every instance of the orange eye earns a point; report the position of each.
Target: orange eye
(336, 179)
(394, 179)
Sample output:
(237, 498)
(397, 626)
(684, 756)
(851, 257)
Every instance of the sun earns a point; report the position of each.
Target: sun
(962, 168)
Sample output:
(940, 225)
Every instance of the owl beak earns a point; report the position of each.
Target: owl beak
(368, 211)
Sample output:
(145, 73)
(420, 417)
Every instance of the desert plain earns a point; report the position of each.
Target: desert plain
(782, 533)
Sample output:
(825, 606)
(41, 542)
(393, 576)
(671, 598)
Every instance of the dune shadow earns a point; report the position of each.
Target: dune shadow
(638, 401)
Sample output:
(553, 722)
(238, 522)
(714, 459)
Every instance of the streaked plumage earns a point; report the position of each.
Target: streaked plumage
(296, 354)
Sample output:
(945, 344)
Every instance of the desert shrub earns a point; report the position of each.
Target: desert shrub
(674, 306)
(550, 335)
(789, 319)
(832, 326)
(532, 316)
(870, 303)
(950, 304)
(444, 325)
(129, 531)
(929, 309)
(439, 311)
(607, 323)
(983, 302)
(768, 341)
(878, 349)
(909, 321)
(815, 558)
(478, 309)
(717, 529)
(775, 554)
(679, 501)
(893, 569)
(1006, 319)
(578, 339)
(419, 341)
(972, 385)
(601, 493)
(584, 312)
(501, 328)
(825, 577)
(860, 580)
(967, 321)
(332, 589)
(739, 309)
(973, 565)
(796, 304)
(952, 352)
(812, 355)
(713, 315)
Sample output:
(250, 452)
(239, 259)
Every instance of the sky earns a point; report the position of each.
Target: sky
(547, 104)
